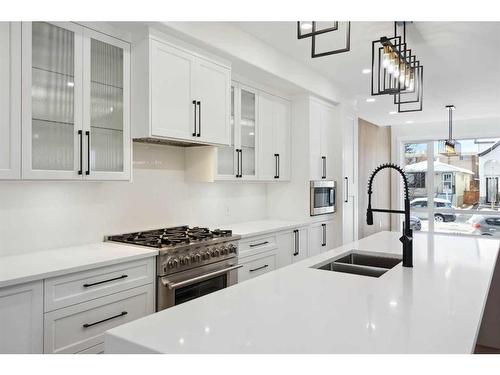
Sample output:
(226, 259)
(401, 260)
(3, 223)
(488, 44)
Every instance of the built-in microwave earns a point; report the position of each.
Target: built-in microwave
(323, 194)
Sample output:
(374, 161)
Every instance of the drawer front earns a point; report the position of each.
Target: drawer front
(79, 327)
(84, 286)
(256, 266)
(256, 245)
(97, 349)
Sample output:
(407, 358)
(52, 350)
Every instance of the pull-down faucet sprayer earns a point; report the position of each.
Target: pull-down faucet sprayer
(407, 237)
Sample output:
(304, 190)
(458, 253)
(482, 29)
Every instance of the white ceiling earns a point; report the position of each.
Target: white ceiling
(461, 66)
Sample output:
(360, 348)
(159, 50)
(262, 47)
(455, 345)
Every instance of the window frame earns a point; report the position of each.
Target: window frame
(431, 208)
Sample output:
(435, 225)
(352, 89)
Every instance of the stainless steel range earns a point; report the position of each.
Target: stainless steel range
(192, 261)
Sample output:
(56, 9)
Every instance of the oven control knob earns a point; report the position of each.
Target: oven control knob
(185, 261)
(197, 257)
(232, 248)
(169, 264)
(216, 253)
(223, 251)
(175, 263)
(207, 255)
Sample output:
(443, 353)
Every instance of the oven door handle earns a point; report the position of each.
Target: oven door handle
(180, 284)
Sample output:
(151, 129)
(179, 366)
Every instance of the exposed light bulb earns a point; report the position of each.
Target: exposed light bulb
(386, 57)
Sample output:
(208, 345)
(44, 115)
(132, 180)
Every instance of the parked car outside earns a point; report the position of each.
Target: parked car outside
(485, 225)
(438, 203)
(415, 223)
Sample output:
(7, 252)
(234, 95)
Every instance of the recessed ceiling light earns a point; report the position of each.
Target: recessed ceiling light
(370, 100)
(392, 112)
(409, 122)
(366, 71)
(306, 25)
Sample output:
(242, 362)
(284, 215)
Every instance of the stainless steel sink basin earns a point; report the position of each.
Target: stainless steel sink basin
(369, 260)
(359, 263)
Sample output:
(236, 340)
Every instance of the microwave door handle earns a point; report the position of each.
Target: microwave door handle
(170, 285)
(332, 197)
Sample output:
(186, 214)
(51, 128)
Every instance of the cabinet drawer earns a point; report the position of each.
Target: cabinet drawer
(80, 327)
(256, 265)
(83, 286)
(97, 349)
(256, 245)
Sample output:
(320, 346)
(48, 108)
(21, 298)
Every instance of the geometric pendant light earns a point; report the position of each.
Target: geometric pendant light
(312, 29)
(397, 71)
(450, 146)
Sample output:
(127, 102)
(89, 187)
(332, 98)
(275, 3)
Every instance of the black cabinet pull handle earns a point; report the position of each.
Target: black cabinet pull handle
(346, 179)
(296, 232)
(238, 170)
(87, 325)
(194, 117)
(241, 163)
(324, 234)
(199, 119)
(324, 166)
(277, 165)
(80, 134)
(259, 244)
(105, 281)
(87, 133)
(259, 268)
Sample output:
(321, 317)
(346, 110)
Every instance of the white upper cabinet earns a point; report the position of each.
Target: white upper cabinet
(275, 153)
(10, 100)
(239, 161)
(172, 105)
(179, 95)
(212, 94)
(106, 99)
(260, 137)
(75, 119)
(323, 120)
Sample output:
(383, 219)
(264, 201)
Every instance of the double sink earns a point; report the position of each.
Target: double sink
(359, 263)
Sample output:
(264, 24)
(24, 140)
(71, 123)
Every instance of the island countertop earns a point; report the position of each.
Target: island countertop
(434, 307)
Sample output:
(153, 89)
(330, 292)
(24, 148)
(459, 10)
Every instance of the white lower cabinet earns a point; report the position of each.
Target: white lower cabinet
(21, 318)
(81, 306)
(81, 327)
(293, 245)
(257, 265)
(321, 237)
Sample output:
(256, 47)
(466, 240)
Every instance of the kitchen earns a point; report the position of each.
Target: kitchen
(201, 187)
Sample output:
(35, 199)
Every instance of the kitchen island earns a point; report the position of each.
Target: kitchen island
(434, 307)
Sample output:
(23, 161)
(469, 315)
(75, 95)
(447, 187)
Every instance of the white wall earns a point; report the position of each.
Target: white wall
(36, 215)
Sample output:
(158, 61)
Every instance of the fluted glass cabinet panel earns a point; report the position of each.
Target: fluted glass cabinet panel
(247, 123)
(226, 154)
(106, 107)
(52, 97)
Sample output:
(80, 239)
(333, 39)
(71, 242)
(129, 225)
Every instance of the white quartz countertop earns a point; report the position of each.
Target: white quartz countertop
(435, 307)
(22, 268)
(260, 227)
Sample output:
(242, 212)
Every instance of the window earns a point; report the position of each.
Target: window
(454, 194)
(447, 183)
(416, 180)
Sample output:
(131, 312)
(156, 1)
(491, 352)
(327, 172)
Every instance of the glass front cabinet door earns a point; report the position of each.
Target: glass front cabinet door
(238, 161)
(75, 96)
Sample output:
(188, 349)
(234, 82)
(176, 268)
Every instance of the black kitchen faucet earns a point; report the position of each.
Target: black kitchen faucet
(407, 237)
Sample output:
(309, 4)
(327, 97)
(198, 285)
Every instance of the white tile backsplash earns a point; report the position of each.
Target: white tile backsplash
(37, 215)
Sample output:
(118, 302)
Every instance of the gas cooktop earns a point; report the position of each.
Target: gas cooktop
(172, 237)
